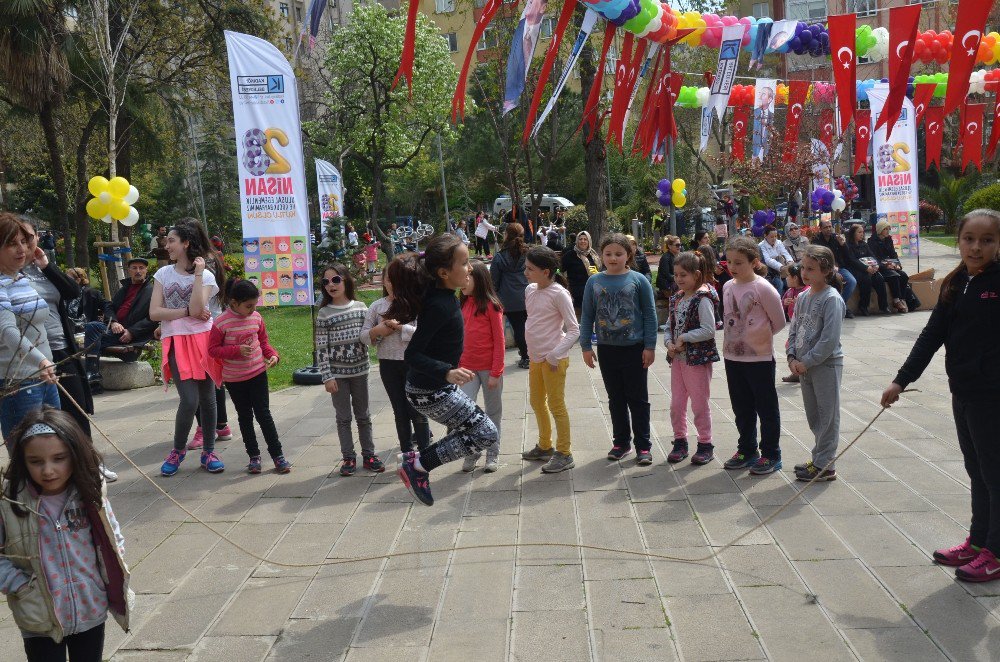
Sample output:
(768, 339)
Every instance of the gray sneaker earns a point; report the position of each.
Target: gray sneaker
(469, 465)
(492, 464)
(559, 462)
(537, 453)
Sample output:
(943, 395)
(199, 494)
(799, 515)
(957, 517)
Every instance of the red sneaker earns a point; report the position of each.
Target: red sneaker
(985, 568)
(957, 555)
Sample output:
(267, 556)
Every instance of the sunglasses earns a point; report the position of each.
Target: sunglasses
(336, 280)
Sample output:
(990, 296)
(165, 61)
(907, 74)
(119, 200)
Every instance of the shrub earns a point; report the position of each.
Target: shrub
(930, 214)
(987, 197)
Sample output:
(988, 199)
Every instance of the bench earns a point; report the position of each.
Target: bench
(123, 376)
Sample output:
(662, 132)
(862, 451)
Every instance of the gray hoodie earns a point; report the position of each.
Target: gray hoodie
(814, 336)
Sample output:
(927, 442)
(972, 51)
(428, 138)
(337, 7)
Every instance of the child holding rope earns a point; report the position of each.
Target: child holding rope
(965, 321)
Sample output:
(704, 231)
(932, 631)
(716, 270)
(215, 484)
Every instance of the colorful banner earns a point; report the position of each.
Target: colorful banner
(845, 71)
(862, 137)
(706, 127)
(826, 121)
(740, 119)
(330, 187)
(273, 200)
(969, 26)
(725, 75)
(547, 64)
(923, 93)
(763, 116)
(895, 171)
(903, 23)
(972, 138)
(935, 135)
(589, 21)
(522, 49)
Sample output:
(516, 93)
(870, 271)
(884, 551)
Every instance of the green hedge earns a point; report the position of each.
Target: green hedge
(987, 197)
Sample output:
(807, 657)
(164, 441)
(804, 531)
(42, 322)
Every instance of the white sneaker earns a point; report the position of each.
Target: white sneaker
(469, 465)
(109, 475)
(491, 465)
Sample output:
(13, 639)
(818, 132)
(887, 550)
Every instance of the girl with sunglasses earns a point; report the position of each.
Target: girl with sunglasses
(343, 362)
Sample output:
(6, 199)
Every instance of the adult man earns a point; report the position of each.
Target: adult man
(795, 242)
(836, 244)
(128, 314)
(774, 256)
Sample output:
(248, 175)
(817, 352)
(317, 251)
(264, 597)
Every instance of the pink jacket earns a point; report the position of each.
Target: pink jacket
(753, 315)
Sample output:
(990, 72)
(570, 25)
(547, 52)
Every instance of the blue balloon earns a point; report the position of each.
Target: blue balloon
(684, 192)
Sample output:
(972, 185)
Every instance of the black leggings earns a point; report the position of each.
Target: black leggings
(251, 399)
(85, 646)
(897, 281)
(221, 419)
(976, 423)
(74, 383)
(517, 319)
(411, 426)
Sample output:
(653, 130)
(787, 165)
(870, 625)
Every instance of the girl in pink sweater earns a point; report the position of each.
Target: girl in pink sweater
(239, 340)
(483, 353)
(753, 314)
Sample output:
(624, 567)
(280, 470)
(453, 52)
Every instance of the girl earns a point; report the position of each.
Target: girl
(344, 365)
(965, 322)
(795, 288)
(815, 357)
(371, 255)
(352, 236)
(485, 344)
(618, 307)
(578, 265)
(639, 259)
(550, 332)
(66, 566)
(434, 376)
(507, 271)
(753, 314)
(239, 340)
(691, 351)
(181, 293)
(391, 339)
(216, 306)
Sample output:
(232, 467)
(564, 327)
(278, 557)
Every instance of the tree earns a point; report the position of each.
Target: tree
(950, 194)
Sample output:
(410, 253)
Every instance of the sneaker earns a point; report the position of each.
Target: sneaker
(492, 464)
(172, 463)
(109, 475)
(254, 466)
(679, 452)
(704, 454)
(790, 379)
(211, 463)
(469, 464)
(958, 555)
(524, 363)
(984, 568)
(559, 462)
(349, 466)
(416, 481)
(618, 452)
(741, 461)
(811, 471)
(223, 434)
(848, 314)
(373, 463)
(764, 466)
(283, 466)
(198, 441)
(643, 458)
(538, 453)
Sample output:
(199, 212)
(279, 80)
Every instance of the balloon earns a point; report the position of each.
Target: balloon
(663, 186)
(105, 198)
(132, 195)
(96, 209)
(131, 218)
(97, 185)
(107, 218)
(118, 187)
(684, 192)
(679, 200)
(679, 185)
(702, 96)
(838, 205)
(119, 209)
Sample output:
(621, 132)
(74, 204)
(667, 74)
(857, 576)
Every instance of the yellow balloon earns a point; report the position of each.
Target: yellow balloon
(119, 209)
(97, 185)
(96, 208)
(680, 200)
(679, 185)
(118, 188)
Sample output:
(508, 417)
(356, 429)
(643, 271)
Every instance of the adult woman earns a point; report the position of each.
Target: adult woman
(889, 266)
(89, 306)
(703, 242)
(641, 263)
(863, 265)
(577, 265)
(507, 272)
(665, 285)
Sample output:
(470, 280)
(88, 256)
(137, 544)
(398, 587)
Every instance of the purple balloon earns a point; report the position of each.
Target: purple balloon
(806, 37)
(816, 29)
(664, 186)
(799, 27)
(795, 45)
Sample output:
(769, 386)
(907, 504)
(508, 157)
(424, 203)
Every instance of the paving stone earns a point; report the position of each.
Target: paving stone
(727, 516)
(232, 649)
(773, 608)
(303, 544)
(314, 640)
(553, 636)
(681, 577)
(688, 616)
(909, 643)
(803, 534)
(851, 596)
(634, 644)
(930, 531)
(261, 607)
(876, 542)
(166, 567)
(549, 588)
(624, 603)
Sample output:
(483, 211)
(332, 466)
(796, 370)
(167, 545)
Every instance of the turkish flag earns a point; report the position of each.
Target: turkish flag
(594, 98)
(826, 128)
(845, 71)
(903, 23)
(797, 91)
(740, 118)
(972, 141)
(935, 134)
(995, 131)
(968, 33)
(922, 95)
(862, 137)
(676, 82)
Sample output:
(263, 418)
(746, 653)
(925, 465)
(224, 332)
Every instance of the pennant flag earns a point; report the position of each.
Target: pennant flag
(311, 24)
(972, 141)
(589, 21)
(706, 126)
(969, 27)
(995, 131)
(826, 120)
(543, 76)
(903, 23)
(676, 82)
(922, 95)
(642, 130)
(522, 50)
(797, 91)
(862, 137)
(740, 119)
(729, 59)
(409, 48)
(935, 134)
(594, 98)
(458, 100)
(845, 71)
(622, 76)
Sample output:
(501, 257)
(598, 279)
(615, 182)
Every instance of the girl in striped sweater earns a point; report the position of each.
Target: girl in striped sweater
(239, 340)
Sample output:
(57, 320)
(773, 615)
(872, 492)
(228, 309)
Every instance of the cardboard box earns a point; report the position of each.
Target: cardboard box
(928, 292)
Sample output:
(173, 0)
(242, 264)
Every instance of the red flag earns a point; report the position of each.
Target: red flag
(623, 95)
(644, 128)
(409, 48)
(826, 128)
(994, 132)
(845, 70)
(740, 118)
(903, 23)
(543, 76)
(676, 82)
(972, 141)
(594, 98)
(922, 95)
(458, 100)
(968, 33)
(862, 137)
(797, 91)
(935, 133)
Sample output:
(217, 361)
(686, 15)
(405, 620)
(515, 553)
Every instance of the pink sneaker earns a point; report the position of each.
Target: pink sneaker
(985, 568)
(198, 441)
(957, 555)
(223, 434)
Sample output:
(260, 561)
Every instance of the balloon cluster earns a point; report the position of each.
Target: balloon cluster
(668, 192)
(825, 200)
(872, 44)
(761, 219)
(980, 82)
(812, 39)
(847, 189)
(744, 95)
(112, 200)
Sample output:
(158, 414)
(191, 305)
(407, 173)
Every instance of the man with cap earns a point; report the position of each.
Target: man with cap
(795, 242)
(129, 318)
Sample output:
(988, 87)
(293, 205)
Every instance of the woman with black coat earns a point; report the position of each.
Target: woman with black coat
(863, 265)
(578, 263)
(889, 266)
(507, 273)
(90, 306)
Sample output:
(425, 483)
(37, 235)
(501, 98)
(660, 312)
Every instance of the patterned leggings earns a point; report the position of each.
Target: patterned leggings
(469, 428)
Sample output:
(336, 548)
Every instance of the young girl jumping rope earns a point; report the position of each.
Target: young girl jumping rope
(180, 303)
(239, 340)
(816, 358)
(551, 331)
(618, 306)
(753, 314)
(965, 322)
(64, 566)
(432, 384)
(690, 342)
(485, 344)
(344, 364)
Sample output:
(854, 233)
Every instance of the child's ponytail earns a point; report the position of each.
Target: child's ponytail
(409, 279)
(238, 290)
(546, 259)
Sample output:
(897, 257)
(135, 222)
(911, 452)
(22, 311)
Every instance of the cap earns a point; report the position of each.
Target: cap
(140, 260)
(881, 225)
(216, 241)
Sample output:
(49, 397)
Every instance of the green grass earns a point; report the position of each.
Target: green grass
(940, 238)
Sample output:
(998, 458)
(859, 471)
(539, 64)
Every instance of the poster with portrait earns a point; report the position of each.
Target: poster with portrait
(522, 49)
(763, 116)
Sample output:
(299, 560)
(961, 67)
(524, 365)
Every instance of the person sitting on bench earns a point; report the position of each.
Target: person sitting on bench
(128, 319)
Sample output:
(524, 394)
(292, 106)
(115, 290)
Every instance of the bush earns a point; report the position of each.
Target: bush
(987, 197)
(930, 214)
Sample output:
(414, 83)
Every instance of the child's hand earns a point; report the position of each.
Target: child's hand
(331, 386)
(492, 382)
(553, 367)
(272, 361)
(798, 367)
(392, 324)
(679, 346)
(246, 350)
(459, 376)
(891, 395)
(648, 356)
(589, 358)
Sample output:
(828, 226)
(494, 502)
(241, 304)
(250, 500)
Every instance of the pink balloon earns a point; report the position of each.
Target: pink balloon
(745, 21)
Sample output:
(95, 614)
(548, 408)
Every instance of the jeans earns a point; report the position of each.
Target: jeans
(194, 394)
(625, 380)
(976, 423)
(849, 283)
(411, 426)
(774, 278)
(492, 399)
(33, 396)
(517, 319)
(753, 394)
(87, 646)
(690, 381)
(251, 400)
(547, 393)
(352, 393)
(470, 430)
(97, 338)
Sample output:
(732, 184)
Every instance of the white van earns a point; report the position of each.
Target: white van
(550, 203)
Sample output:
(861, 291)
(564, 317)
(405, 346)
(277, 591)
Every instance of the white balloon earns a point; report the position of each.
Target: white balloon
(132, 218)
(131, 196)
(838, 204)
(837, 193)
(702, 95)
(107, 218)
(105, 198)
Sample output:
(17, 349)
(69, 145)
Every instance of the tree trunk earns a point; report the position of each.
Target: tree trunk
(48, 122)
(595, 156)
(81, 219)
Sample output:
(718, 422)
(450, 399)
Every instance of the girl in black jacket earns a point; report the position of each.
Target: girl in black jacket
(884, 251)
(965, 321)
(864, 267)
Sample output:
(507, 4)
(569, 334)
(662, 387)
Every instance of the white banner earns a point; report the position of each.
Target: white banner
(273, 200)
(897, 197)
(589, 20)
(330, 187)
(706, 127)
(725, 75)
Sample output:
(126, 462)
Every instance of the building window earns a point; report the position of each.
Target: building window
(547, 27)
(283, 8)
(444, 6)
(452, 40)
(298, 14)
(488, 40)
(480, 4)
(865, 7)
(760, 10)
(807, 10)
(864, 60)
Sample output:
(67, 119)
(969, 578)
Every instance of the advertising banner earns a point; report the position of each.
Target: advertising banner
(895, 170)
(331, 195)
(725, 75)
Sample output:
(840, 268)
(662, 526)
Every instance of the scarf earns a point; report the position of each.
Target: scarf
(589, 253)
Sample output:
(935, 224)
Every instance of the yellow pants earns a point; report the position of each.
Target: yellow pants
(548, 394)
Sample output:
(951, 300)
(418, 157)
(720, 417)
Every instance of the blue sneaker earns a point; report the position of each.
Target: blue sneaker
(172, 463)
(764, 466)
(211, 463)
(416, 481)
(741, 461)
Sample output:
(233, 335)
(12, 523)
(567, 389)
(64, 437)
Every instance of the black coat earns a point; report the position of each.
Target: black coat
(665, 273)
(88, 307)
(839, 252)
(854, 254)
(137, 322)
(577, 272)
(69, 290)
